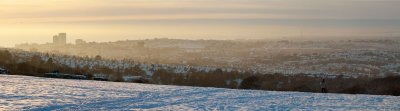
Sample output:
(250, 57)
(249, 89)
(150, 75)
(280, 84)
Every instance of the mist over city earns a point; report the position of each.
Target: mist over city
(199, 55)
(25, 21)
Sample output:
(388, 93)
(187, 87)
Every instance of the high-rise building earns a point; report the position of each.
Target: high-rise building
(63, 38)
(60, 39)
(55, 39)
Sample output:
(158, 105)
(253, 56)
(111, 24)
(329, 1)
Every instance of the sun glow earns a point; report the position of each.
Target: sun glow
(104, 20)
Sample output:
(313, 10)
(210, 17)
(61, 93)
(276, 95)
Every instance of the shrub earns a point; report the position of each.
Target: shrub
(252, 82)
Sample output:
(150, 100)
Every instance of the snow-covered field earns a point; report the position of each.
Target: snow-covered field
(32, 93)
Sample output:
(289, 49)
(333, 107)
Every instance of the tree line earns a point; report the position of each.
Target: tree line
(36, 66)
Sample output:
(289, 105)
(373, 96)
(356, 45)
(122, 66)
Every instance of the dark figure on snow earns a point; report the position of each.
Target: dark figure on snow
(323, 86)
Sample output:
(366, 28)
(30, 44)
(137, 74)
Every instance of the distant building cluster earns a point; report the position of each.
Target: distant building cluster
(80, 41)
(364, 57)
(60, 39)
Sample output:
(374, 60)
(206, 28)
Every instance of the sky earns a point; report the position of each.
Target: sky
(36, 21)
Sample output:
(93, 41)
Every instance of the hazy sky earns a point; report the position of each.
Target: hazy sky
(110, 20)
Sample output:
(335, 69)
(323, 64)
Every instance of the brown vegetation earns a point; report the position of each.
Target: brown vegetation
(361, 85)
(35, 66)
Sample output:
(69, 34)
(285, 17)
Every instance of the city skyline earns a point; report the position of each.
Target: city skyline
(24, 21)
(199, 55)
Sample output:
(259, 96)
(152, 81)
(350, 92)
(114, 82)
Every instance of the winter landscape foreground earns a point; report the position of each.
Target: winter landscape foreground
(33, 93)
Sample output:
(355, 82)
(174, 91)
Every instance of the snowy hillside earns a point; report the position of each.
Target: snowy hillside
(32, 93)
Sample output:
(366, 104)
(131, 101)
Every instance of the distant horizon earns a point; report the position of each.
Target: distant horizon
(306, 38)
(36, 21)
